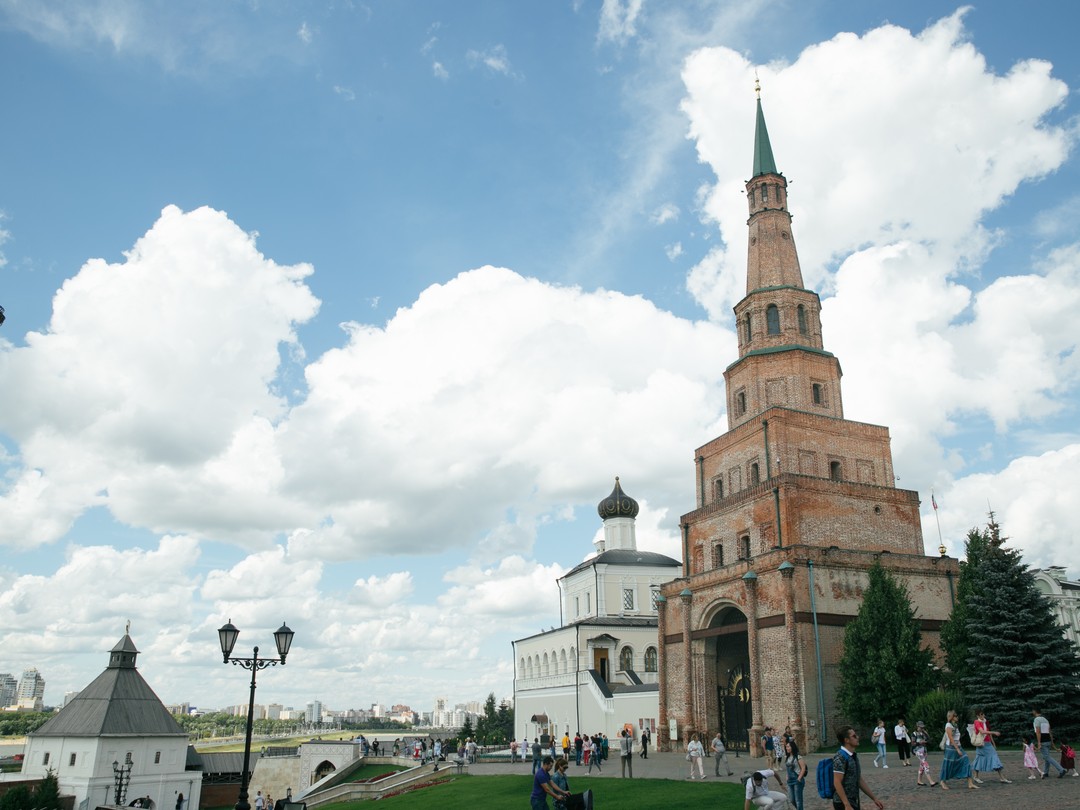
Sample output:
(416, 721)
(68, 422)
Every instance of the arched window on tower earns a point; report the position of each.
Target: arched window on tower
(802, 319)
(815, 389)
(755, 474)
(764, 193)
(740, 403)
(772, 319)
(748, 334)
(626, 659)
(835, 472)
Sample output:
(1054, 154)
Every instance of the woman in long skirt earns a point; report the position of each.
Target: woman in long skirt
(956, 765)
(986, 756)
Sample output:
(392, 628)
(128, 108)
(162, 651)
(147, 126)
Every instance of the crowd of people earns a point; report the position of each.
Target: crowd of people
(848, 783)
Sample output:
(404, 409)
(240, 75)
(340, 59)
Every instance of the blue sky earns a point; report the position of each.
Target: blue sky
(347, 314)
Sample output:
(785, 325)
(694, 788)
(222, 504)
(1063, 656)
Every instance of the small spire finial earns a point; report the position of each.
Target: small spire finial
(757, 85)
(127, 628)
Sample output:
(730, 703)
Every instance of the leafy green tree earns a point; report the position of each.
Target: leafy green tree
(955, 633)
(1018, 657)
(884, 667)
(19, 724)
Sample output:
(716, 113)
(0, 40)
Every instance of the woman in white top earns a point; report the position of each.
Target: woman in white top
(956, 764)
(695, 752)
(903, 743)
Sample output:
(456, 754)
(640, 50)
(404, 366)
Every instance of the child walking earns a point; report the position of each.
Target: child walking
(918, 747)
(1031, 762)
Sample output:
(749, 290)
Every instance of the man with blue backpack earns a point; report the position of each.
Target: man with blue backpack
(840, 778)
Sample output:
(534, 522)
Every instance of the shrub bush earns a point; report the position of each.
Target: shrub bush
(932, 708)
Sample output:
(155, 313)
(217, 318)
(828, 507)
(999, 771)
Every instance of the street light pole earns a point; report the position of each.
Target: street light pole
(227, 637)
(121, 777)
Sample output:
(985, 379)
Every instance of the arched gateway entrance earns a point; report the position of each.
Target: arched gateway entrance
(730, 648)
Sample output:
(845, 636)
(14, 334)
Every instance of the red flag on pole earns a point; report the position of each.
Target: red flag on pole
(933, 500)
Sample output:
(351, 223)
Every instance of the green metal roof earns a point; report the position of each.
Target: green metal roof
(763, 157)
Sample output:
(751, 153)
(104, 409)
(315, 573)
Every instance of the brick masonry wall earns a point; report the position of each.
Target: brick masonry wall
(786, 664)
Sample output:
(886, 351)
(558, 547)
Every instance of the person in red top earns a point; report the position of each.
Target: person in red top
(986, 756)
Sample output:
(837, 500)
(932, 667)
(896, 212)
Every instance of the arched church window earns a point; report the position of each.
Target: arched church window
(802, 319)
(835, 472)
(764, 193)
(816, 390)
(626, 659)
(547, 669)
(748, 324)
(772, 319)
(651, 659)
(740, 403)
(755, 474)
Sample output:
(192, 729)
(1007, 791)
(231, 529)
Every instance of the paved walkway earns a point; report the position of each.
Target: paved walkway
(895, 786)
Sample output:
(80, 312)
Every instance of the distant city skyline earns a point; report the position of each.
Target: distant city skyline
(348, 315)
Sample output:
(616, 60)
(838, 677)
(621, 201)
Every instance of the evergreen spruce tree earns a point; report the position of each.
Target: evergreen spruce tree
(955, 634)
(466, 730)
(1018, 658)
(47, 793)
(884, 667)
(487, 724)
(505, 720)
(20, 797)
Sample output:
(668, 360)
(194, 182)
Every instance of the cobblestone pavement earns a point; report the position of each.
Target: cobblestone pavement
(895, 786)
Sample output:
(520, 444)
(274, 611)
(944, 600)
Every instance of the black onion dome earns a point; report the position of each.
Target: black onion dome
(617, 504)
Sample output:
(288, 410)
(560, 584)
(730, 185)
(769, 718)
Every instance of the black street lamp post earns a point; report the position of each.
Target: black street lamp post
(227, 636)
(121, 778)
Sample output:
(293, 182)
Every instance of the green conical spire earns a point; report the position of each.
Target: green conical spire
(763, 158)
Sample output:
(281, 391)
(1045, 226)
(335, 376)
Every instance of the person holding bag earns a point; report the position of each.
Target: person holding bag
(956, 765)
(986, 756)
(903, 743)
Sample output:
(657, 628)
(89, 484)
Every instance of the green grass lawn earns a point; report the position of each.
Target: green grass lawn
(469, 792)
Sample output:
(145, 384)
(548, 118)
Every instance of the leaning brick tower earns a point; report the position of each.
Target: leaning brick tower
(794, 503)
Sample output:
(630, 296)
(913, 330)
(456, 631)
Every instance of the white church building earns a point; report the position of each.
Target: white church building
(116, 734)
(598, 673)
